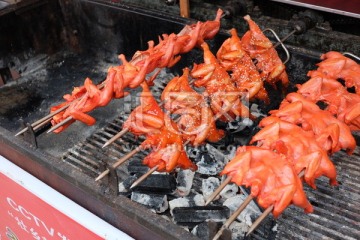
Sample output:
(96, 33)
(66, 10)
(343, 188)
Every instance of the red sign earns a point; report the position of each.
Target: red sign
(24, 215)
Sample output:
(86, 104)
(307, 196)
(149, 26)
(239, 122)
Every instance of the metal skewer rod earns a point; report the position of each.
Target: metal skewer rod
(280, 42)
(218, 190)
(143, 177)
(233, 217)
(351, 55)
(119, 162)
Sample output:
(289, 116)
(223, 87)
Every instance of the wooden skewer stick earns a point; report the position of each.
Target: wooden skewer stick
(267, 211)
(143, 177)
(218, 190)
(233, 216)
(125, 130)
(241, 208)
(217, 116)
(119, 162)
(260, 219)
(68, 119)
(147, 174)
(49, 116)
(44, 119)
(100, 86)
(116, 136)
(184, 8)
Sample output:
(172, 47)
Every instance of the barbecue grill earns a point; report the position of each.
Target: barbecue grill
(48, 47)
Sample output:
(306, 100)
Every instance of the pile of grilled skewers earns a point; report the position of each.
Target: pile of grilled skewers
(295, 141)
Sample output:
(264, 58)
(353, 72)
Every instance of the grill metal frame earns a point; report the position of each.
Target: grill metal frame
(119, 210)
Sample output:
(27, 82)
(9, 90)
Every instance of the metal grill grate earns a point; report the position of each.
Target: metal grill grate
(336, 209)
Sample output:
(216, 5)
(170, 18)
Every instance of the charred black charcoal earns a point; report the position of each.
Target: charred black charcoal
(137, 167)
(229, 191)
(208, 229)
(240, 125)
(322, 105)
(124, 187)
(156, 202)
(209, 185)
(238, 230)
(209, 165)
(250, 213)
(192, 216)
(210, 161)
(157, 183)
(189, 201)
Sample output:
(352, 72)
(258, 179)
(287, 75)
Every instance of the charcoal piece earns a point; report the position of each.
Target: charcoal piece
(210, 162)
(238, 230)
(229, 191)
(209, 185)
(157, 183)
(240, 125)
(250, 213)
(156, 202)
(124, 186)
(189, 216)
(208, 229)
(189, 201)
(193, 153)
(184, 181)
(136, 166)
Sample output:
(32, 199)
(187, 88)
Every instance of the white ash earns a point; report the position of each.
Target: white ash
(156, 202)
(178, 202)
(192, 152)
(211, 161)
(229, 191)
(199, 200)
(124, 186)
(209, 185)
(250, 213)
(254, 109)
(238, 230)
(219, 156)
(240, 124)
(184, 181)
(275, 228)
(189, 201)
(206, 229)
(194, 231)
(207, 168)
